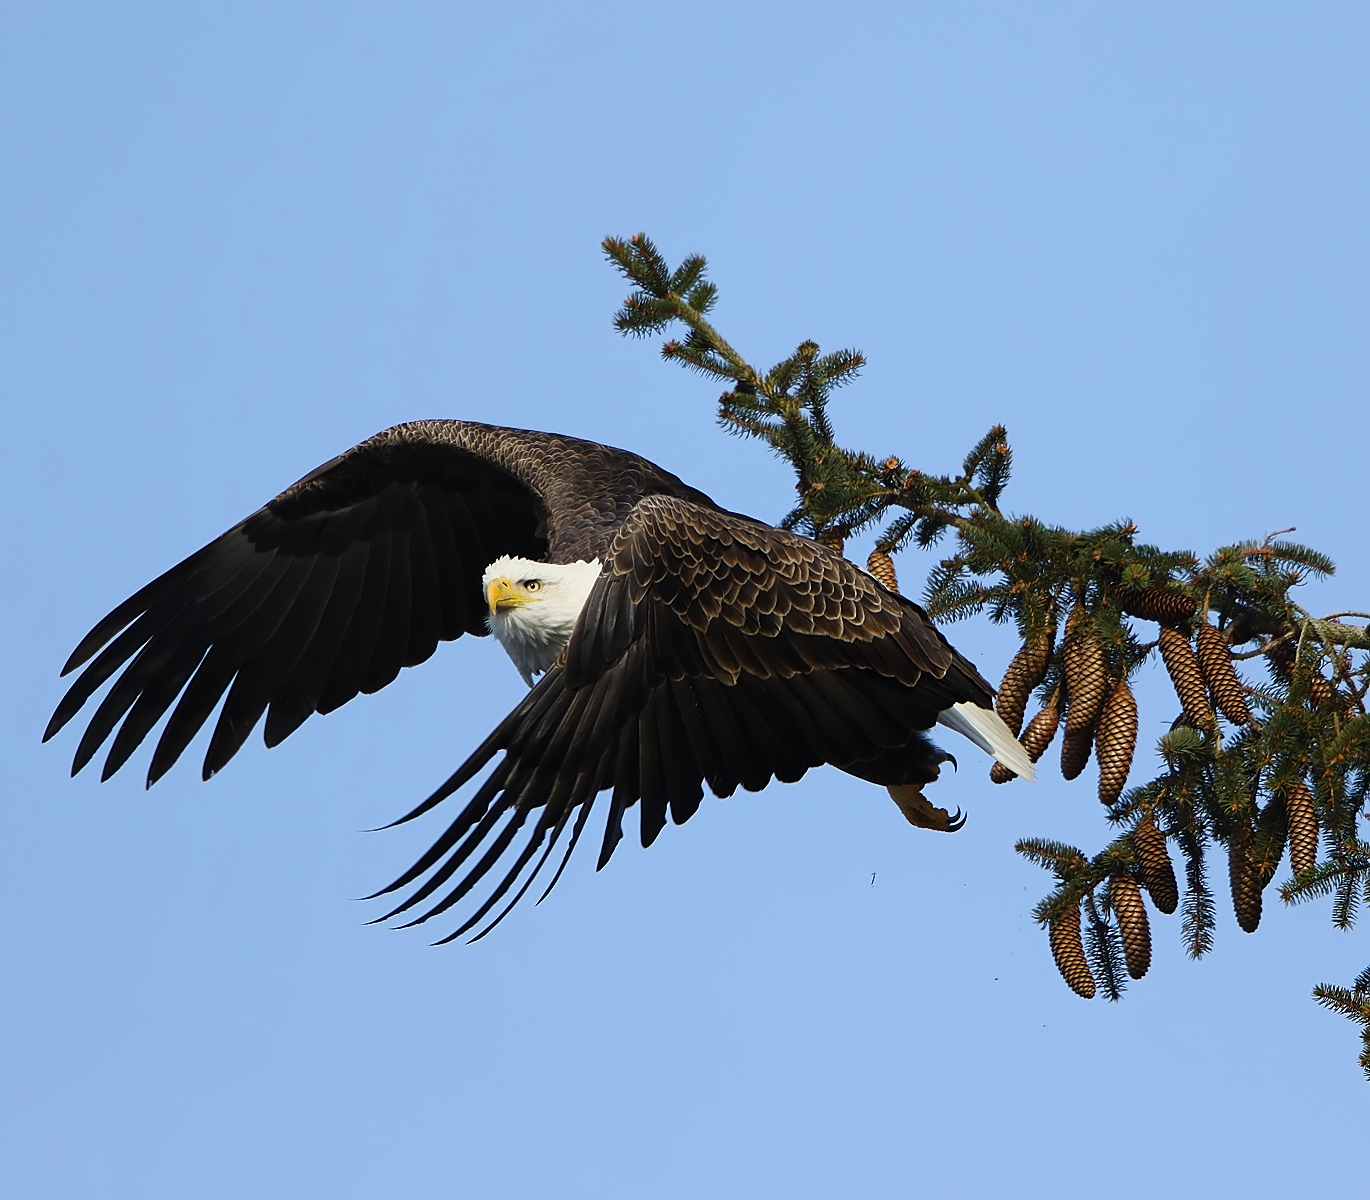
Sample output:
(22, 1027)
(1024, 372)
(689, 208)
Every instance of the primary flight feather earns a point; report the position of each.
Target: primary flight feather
(668, 644)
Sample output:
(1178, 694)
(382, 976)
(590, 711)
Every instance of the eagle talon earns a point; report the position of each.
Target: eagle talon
(918, 811)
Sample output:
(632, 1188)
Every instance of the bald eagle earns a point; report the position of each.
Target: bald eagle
(667, 643)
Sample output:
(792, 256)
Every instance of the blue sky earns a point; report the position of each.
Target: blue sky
(240, 238)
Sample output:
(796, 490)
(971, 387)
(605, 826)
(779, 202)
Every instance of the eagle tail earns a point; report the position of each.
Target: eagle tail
(986, 729)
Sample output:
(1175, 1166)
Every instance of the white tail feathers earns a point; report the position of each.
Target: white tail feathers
(987, 730)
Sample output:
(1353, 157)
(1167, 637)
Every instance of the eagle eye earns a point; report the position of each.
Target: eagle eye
(532, 585)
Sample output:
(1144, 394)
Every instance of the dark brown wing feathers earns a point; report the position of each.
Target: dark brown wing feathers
(349, 575)
(713, 650)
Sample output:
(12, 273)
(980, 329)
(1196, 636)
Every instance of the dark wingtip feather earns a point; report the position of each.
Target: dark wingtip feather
(451, 937)
(435, 799)
(452, 784)
(528, 883)
(70, 704)
(89, 645)
(120, 617)
(90, 744)
(565, 858)
(462, 775)
(612, 836)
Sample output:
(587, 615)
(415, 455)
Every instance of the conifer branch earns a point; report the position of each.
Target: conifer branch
(1297, 779)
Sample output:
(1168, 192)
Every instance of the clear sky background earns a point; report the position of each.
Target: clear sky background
(238, 238)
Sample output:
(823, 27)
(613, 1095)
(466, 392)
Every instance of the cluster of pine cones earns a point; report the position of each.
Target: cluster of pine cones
(1152, 869)
(1100, 711)
(1101, 715)
(1157, 875)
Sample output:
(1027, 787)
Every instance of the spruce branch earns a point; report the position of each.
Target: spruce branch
(1255, 764)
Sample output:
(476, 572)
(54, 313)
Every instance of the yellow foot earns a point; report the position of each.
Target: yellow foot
(917, 811)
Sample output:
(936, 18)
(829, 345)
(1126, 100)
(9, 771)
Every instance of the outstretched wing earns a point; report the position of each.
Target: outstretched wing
(357, 570)
(711, 650)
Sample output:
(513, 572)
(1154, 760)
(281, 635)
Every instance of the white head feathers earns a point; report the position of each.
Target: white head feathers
(534, 606)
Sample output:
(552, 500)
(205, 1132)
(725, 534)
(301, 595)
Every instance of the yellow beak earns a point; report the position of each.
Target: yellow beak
(500, 594)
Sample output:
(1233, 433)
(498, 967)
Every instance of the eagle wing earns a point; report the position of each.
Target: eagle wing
(712, 649)
(357, 570)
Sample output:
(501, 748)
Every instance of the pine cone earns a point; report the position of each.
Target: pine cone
(1000, 774)
(1116, 740)
(1303, 826)
(1132, 923)
(1041, 729)
(1075, 748)
(1086, 673)
(1186, 676)
(1223, 685)
(1068, 951)
(1158, 876)
(881, 566)
(1322, 693)
(1157, 604)
(1244, 878)
(1024, 673)
(833, 541)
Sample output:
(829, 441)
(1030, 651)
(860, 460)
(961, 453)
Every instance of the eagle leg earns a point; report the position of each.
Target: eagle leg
(920, 812)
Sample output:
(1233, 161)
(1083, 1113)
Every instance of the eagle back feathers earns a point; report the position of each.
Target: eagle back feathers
(752, 598)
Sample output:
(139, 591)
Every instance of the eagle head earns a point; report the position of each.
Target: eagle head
(534, 606)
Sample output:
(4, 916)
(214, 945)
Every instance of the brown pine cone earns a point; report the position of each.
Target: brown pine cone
(833, 541)
(1153, 860)
(1244, 878)
(1116, 741)
(1086, 673)
(1024, 673)
(1303, 826)
(881, 566)
(1075, 748)
(1215, 663)
(1186, 676)
(1157, 604)
(1068, 951)
(1132, 923)
(1041, 729)
(1322, 693)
